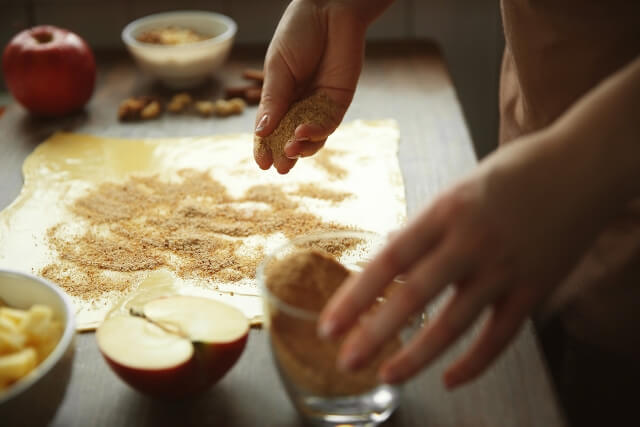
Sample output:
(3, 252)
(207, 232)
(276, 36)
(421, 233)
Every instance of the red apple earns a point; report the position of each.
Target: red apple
(50, 71)
(175, 346)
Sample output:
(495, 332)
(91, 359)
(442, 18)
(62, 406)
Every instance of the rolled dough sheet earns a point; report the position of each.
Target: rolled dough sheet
(68, 166)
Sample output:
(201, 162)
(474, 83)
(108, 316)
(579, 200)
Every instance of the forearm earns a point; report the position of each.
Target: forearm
(601, 133)
(582, 170)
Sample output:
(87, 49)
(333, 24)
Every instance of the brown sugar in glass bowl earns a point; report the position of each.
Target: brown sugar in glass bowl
(296, 281)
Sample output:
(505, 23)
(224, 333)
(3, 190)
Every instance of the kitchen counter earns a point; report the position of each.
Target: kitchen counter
(405, 81)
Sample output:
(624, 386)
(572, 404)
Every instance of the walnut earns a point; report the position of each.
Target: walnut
(230, 107)
(130, 109)
(139, 107)
(238, 104)
(179, 102)
(151, 111)
(205, 108)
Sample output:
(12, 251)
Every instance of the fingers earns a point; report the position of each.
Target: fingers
(310, 137)
(316, 132)
(314, 50)
(505, 321)
(425, 281)
(321, 124)
(360, 291)
(340, 100)
(283, 165)
(262, 154)
(278, 92)
(336, 77)
(297, 148)
(455, 318)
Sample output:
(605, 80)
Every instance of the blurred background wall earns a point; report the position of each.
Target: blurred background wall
(468, 31)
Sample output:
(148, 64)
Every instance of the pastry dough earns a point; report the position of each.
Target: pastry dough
(67, 166)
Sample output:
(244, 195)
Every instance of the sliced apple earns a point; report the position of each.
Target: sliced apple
(174, 346)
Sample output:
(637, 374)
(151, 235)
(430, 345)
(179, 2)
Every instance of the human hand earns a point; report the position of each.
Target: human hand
(318, 46)
(503, 237)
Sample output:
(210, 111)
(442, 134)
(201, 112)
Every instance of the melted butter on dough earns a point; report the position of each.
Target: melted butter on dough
(67, 167)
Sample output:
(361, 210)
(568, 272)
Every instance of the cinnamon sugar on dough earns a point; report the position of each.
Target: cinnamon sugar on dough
(324, 160)
(317, 192)
(193, 227)
(140, 178)
(317, 108)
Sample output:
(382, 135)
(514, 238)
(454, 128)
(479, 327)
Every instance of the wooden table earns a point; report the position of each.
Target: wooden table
(408, 82)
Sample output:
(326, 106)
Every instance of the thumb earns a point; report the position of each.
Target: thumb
(277, 94)
(310, 136)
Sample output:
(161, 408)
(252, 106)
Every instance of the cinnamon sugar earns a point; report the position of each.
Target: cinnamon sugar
(317, 109)
(86, 282)
(191, 226)
(324, 160)
(306, 279)
(317, 192)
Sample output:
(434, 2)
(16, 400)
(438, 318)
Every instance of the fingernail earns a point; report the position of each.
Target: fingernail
(262, 123)
(287, 147)
(326, 329)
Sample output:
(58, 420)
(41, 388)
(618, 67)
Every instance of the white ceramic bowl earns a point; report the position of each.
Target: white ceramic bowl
(34, 400)
(185, 65)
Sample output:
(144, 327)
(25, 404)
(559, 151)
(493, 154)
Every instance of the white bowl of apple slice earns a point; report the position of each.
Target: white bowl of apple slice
(174, 346)
(36, 321)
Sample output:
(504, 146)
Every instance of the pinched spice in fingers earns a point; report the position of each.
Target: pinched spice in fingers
(317, 108)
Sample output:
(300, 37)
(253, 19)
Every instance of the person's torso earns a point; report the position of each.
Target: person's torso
(556, 50)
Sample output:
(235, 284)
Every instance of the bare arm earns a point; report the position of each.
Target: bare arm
(504, 236)
(318, 46)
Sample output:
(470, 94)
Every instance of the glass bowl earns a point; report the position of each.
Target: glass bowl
(306, 363)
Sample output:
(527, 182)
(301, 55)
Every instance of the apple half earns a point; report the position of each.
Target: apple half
(174, 346)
